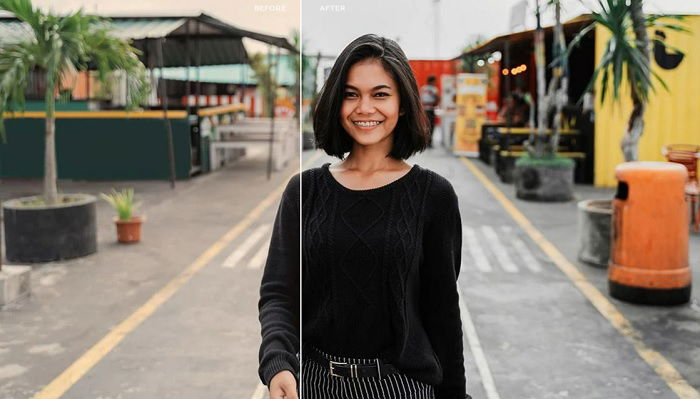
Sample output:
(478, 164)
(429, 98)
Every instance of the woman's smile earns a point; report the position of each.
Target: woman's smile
(366, 125)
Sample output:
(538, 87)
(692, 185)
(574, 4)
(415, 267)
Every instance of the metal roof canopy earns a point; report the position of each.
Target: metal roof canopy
(514, 39)
(209, 41)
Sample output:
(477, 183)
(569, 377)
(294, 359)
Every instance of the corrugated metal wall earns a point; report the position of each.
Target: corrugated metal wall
(672, 116)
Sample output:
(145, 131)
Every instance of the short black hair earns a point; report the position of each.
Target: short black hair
(412, 128)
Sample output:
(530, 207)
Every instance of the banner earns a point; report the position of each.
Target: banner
(471, 112)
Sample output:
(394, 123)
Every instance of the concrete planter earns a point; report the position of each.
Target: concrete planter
(544, 182)
(47, 233)
(594, 225)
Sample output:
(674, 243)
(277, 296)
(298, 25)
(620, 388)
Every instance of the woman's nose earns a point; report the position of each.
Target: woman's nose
(365, 106)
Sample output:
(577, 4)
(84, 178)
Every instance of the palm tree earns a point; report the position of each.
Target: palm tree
(554, 94)
(59, 47)
(627, 50)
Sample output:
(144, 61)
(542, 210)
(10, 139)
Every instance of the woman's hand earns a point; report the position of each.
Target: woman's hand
(283, 386)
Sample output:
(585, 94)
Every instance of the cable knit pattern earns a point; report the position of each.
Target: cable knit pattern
(419, 256)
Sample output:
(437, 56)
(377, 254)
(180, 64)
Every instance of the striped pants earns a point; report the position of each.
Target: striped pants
(317, 383)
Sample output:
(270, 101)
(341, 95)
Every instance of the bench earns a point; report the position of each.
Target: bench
(233, 140)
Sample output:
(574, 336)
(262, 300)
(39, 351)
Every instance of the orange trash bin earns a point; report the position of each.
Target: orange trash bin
(649, 259)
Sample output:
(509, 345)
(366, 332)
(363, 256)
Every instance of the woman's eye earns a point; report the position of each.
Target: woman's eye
(380, 94)
(349, 94)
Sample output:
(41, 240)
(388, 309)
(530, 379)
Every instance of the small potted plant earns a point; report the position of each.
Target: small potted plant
(128, 225)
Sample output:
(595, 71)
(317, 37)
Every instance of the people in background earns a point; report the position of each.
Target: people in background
(430, 98)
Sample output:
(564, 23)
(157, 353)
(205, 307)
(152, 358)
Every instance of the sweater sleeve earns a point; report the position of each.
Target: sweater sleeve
(442, 248)
(279, 291)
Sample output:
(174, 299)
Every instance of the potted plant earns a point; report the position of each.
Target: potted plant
(128, 225)
(57, 226)
(541, 174)
(626, 55)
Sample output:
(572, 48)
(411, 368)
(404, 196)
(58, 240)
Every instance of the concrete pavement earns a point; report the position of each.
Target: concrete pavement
(529, 331)
(198, 340)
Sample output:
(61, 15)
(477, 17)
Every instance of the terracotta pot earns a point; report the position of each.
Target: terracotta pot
(129, 231)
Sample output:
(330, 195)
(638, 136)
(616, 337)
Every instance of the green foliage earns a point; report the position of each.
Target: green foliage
(552, 161)
(622, 52)
(263, 74)
(59, 46)
(122, 202)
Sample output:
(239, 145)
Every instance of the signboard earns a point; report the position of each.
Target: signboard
(471, 112)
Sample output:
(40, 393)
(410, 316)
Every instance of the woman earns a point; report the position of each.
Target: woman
(381, 249)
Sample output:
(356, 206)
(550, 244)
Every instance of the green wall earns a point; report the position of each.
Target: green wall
(97, 149)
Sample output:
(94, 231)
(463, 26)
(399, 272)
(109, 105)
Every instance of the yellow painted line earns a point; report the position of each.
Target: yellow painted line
(96, 115)
(61, 384)
(657, 361)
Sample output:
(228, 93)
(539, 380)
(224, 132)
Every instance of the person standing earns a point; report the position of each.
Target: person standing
(381, 249)
(430, 98)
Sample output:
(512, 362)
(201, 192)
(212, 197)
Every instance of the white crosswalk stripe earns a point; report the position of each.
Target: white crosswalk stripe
(485, 245)
(258, 260)
(239, 253)
(523, 251)
(475, 250)
(499, 251)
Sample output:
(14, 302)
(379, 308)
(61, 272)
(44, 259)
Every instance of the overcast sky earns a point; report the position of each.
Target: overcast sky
(329, 29)
(328, 25)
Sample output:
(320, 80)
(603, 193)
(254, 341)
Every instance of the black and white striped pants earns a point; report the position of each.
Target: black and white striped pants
(317, 383)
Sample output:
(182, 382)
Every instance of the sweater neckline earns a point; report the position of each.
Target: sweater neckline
(405, 176)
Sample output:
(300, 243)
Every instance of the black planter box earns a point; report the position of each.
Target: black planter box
(49, 233)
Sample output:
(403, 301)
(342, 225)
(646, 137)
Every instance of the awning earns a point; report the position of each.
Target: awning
(211, 41)
(233, 74)
(571, 27)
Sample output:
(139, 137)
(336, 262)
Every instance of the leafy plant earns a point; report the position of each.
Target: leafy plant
(122, 202)
(58, 47)
(627, 54)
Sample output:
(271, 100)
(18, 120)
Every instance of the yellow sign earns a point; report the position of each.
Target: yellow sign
(471, 112)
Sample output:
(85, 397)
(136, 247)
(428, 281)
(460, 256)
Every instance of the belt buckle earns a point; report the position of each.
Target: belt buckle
(332, 363)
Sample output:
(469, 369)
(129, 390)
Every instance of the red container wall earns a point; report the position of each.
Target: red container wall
(424, 68)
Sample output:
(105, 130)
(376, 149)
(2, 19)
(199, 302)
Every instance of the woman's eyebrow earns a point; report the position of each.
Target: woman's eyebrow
(374, 88)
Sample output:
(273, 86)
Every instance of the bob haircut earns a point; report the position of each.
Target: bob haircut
(411, 131)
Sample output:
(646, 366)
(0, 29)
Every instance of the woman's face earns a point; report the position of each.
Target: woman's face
(371, 103)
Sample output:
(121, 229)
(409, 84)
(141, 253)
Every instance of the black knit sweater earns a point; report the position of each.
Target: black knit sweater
(379, 277)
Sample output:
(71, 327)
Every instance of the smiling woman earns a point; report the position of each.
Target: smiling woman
(381, 248)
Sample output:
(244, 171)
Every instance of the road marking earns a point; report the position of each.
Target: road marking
(477, 253)
(499, 250)
(243, 249)
(522, 250)
(74, 372)
(260, 392)
(260, 257)
(476, 349)
(654, 359)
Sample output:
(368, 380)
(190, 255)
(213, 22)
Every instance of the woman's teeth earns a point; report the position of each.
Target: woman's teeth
(367, 124)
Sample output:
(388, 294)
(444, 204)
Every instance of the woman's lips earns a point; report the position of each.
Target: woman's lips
(366, 125)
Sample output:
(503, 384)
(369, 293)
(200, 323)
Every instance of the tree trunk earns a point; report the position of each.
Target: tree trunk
(2, 227)
(635, 126)
(562, 92)
(541, 97)
(50, 190)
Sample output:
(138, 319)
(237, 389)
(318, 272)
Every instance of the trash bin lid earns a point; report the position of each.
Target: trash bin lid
(645, 170)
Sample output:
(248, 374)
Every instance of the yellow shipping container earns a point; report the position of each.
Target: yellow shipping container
(672, 116)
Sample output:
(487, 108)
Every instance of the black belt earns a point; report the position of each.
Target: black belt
(351, 370)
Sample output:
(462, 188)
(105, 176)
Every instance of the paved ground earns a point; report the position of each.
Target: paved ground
(201, 343)
(539, 335)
